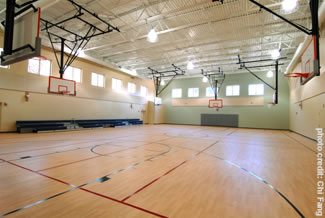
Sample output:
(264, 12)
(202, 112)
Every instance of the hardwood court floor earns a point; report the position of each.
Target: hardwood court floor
(158, 171)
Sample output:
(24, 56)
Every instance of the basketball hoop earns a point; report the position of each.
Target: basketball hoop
(64, 92)
(40, 58)
(218, 103)
(296, 75)
(270, 104)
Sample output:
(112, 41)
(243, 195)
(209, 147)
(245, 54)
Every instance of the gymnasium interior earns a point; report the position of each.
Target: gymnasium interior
(162, 108)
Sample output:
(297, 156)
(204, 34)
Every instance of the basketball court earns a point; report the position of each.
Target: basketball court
(166, 108)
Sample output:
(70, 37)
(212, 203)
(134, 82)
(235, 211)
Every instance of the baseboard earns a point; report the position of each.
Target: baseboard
(9, 132)
(242, 127)
(303, 135)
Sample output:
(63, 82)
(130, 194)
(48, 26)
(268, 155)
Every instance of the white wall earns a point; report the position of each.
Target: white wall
(307, 102)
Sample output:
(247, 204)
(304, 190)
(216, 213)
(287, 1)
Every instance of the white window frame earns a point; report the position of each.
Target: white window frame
(142, 92)
(253, 89)
(132, 88)
(206, 91)
(73, 69)
(177, 93)
(117, 84)
(231, 87)
(191, 91)
(97, 75)
(39, 66)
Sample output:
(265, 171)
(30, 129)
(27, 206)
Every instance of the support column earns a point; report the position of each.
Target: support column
(276, 81)
(62, 59)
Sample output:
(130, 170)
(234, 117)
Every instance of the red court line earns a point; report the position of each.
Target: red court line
(45, 148)
(33, 171)
(121, 202)
(169, 171)
(86, 159)
(95, 193)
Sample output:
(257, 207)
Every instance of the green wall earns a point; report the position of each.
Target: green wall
(276, 117)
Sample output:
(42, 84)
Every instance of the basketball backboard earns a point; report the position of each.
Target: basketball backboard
(158, 101)
(310, 62)
(215, 103)
(62, 86)
(25, 39)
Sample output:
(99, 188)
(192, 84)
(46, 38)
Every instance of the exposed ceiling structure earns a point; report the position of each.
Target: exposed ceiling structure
(209, 34)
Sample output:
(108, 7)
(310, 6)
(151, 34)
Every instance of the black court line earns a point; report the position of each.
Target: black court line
(37, 149)
(85, 141)
(262, 180)
(57, 152)
(251, 173)
(101, 179)
(292, 138)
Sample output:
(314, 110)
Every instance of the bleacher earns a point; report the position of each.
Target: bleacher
(52, 125)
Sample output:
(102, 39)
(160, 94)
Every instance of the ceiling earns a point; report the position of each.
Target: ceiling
(209, 34)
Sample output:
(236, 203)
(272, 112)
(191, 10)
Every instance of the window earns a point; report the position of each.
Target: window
(144, 91)
(7, 66)
(97, 79)
(131, 88)
(39, 66)
(210, 92)
(256, 89)
(116, 84)
(193, 92)
(176, 93)
(73, 73)
(232, 90)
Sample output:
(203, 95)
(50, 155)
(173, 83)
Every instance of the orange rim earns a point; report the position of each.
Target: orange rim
(295, 75)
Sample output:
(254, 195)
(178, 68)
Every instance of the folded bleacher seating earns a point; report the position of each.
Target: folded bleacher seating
(52, 125)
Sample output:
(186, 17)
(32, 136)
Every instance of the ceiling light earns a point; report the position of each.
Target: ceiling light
(162, 82)
(190, 65)
(269, 74)
(275, 54)
(288, 6)
(152, 36)
(205, 79)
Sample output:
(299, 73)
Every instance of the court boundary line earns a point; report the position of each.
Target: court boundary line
(262, 180)
(305, 146)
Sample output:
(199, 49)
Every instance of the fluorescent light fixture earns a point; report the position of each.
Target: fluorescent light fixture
(162, 82)
(205, 79)
(288, 6)
(190, 65)
(269, 74)
(152, 36)
(275, 54)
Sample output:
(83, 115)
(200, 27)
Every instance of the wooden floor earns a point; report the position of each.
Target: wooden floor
(158, 171)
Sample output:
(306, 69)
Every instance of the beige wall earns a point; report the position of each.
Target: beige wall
(307, 102)
(90, 103)
(155, 113)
